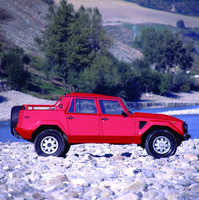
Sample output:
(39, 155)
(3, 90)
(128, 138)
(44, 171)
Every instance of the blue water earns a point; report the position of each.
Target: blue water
(158, 110)
(191, 120)
(5, 133)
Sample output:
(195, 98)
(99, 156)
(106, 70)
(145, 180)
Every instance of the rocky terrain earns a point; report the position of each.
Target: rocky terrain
(95, 171)
(99, 171)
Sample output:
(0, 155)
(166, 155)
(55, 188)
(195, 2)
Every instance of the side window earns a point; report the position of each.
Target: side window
(71, 109)
(85, 106)
(110, 107)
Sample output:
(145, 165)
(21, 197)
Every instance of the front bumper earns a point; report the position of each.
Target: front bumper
(187, 136)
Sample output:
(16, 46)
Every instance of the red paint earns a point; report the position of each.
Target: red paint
(100, 122)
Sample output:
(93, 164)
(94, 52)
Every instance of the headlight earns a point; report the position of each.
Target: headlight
(185, 127)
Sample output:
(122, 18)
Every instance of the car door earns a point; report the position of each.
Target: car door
(83, 121)
(116, 128)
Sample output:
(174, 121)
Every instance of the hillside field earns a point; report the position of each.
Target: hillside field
(114, 11)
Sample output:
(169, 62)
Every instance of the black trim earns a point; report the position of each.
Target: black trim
(142, 124)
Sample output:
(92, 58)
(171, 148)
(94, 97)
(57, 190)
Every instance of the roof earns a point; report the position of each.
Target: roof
(75, 94)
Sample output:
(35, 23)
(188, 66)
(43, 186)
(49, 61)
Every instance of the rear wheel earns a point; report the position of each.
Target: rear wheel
(160, 143)
(49, 143)
(67, 148)
(14, 117)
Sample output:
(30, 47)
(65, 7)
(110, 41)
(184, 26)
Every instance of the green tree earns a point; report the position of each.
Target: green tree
(165, 50)
(1, 50)
(72, 40)
(148, 78)
(1, 54)
(12, 68)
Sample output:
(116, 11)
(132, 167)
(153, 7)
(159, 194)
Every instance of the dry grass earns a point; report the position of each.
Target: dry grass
(114, 11)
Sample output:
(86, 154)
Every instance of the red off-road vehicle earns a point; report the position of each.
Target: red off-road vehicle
(91, 118)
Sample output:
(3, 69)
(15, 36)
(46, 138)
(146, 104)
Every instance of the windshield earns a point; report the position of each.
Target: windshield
(126, 106)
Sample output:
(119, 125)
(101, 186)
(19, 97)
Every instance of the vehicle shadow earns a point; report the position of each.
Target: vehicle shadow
(126, 154)
(105, 155)
(108, 155)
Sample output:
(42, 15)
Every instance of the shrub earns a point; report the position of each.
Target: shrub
(180, 24)
(165, 85)
(181, 82)
(50, 2)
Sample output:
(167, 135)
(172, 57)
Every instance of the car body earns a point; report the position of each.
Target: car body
(92, 118)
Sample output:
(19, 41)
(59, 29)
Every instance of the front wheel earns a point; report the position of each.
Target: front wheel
(49, 143)
(160, 143)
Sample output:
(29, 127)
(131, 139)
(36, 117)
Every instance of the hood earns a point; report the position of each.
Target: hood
(155, 116)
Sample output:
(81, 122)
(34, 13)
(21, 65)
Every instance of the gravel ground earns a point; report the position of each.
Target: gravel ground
(12, 98)
(99, 171)
(192, 97)
(177, 97)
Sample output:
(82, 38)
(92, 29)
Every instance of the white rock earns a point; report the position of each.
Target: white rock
(136, 186)
(128, 196)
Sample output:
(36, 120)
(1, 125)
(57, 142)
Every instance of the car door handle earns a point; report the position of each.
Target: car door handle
(70, 117)
(105, 119)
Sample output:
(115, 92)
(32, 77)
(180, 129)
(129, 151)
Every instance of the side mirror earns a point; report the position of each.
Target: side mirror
(124, 114)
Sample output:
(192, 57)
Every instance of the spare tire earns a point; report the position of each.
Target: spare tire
(14, 117)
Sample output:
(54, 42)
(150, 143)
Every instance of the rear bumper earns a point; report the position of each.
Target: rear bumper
(16, 134)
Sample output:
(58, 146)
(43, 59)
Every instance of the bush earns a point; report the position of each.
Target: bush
(165, 85)
(49, 2)
(4, 15)
(13, 69)
(180, 24)
(181, 82)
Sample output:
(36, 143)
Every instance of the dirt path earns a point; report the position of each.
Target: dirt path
(177, 97)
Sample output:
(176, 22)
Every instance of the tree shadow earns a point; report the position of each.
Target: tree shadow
(3, 99)
(171, 95)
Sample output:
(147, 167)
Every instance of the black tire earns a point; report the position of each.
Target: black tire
(14, 117)
(161, 144)
(49, 142)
